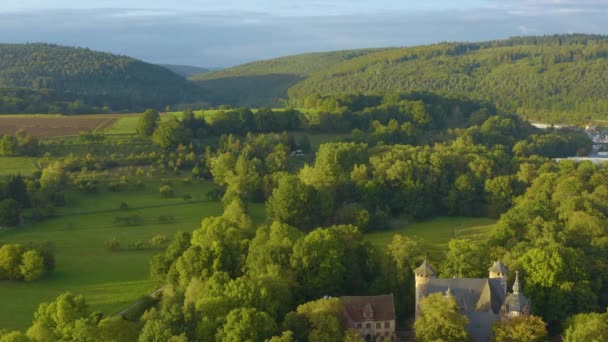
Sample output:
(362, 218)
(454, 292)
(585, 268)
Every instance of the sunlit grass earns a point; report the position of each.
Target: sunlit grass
(109, 280)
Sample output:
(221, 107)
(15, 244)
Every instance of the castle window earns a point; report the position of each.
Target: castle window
(386, 333)
(359, 325)
(378, 325)
(387, 324)
(368, 325)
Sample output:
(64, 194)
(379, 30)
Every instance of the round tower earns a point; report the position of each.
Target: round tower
(500, 271)
(422, 276)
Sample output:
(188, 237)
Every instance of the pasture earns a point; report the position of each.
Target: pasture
(109, 280)
(438, 231)
(24, 166)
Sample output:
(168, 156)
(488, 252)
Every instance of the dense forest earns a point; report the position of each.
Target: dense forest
(43, 78)
(549, 78)
(264, 83)
(407, 157)
(186, 70)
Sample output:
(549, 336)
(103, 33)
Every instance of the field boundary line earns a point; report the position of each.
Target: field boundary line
(90, 212)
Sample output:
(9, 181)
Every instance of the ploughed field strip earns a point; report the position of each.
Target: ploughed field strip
(53, 126)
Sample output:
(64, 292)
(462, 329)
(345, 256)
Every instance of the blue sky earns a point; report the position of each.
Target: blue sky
(229, 32)
(311, 7)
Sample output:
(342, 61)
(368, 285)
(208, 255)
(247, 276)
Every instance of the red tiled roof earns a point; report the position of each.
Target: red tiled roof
(383, 307)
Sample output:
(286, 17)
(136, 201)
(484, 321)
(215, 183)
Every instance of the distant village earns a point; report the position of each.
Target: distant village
(599, 136)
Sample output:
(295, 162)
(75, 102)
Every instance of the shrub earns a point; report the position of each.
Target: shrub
(160, 241)
(9, 212)
(164, 219)
(112, 244)
(166, 191)
(114, 187)
(130, 220)
(214, 194)
(187, 197)
(139, 185)
(124, 206)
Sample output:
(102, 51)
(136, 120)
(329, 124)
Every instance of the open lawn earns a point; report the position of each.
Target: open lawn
(438, 231)
(17, 165)
(110, 281)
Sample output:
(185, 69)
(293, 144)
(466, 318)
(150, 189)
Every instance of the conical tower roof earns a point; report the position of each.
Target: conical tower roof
(499, 267)
(516, 301)
(425, 270)
(516, 283)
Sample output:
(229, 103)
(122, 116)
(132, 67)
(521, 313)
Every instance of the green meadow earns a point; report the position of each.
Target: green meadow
(17, 165)
(109, 280)
(437, 231)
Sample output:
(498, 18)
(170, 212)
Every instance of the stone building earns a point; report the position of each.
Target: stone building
(482, 300)
(372, 316)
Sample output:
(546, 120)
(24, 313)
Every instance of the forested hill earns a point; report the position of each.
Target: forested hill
(550, 78)
(50, 78)
(265, 82)
(186, 70)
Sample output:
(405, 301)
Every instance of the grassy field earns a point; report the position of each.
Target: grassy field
(125, 125)
(17, 165)
(110, 281)
(438, 231)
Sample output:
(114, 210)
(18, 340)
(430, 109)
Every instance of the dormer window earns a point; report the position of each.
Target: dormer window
(368, 312)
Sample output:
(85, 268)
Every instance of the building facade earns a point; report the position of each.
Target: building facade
(373, 317)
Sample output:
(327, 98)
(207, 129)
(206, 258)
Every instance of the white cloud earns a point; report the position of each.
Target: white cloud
(222, 38)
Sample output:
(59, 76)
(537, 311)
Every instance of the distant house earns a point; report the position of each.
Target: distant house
(482, 300)
(372, 316)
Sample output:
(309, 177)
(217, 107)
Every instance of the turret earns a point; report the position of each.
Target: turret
(423, 274)
(516, 286)
(516, 303)
(500, 271)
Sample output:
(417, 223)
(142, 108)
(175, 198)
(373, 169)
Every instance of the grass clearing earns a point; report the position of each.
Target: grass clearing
(438, 231)
(125, 125)
(110, 281)
(17, 165)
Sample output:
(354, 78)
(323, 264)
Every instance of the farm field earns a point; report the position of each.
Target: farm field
(51, 125)
(43, 126)
(17, 165)
(438, 231)
(109, 280)
(128, 124)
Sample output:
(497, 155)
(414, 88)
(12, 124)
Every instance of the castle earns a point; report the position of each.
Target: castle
(482, 300)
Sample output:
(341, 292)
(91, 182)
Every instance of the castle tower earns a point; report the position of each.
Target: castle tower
(516, 303)
(499, 270)
(423, 274)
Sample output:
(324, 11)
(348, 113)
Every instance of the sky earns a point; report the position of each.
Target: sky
(223, 33)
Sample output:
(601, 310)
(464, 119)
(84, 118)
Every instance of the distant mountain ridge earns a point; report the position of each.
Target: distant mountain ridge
(187, 71)
(551, 78)
(54, 77)
(559, 78)
(266, 82)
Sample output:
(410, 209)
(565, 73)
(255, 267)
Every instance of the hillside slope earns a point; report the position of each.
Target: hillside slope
(54, 76)
(186, 71)
(557, 78)
(265, 82)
